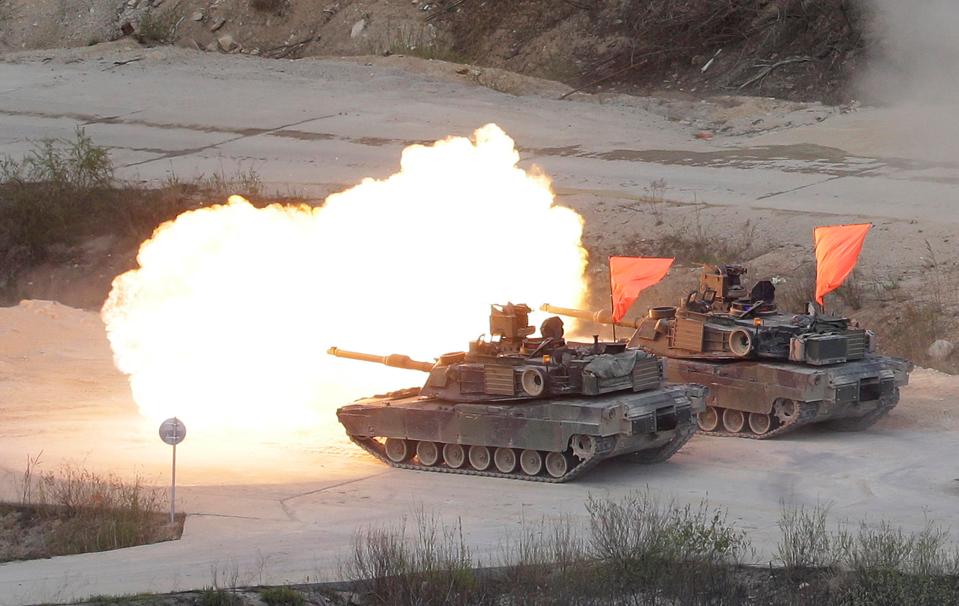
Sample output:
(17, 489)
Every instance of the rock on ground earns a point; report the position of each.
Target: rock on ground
(941, 349)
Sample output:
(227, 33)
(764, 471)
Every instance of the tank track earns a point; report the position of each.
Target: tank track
(807, 416)
(886, 404)
(666, 451)
(377, 450)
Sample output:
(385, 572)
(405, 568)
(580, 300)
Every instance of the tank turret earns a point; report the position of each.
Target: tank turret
(515, 365)
(720, 321)
(525, 407)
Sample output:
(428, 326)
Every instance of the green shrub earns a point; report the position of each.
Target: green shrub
(212, 596)
(282, 596)
(44, 196)
(647, 547)
(639, 530)
(75, 164)
(805, 541)
(430, 566)
(63, 192)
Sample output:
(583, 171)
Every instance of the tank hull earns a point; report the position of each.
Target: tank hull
(581, 431)
(773, 398)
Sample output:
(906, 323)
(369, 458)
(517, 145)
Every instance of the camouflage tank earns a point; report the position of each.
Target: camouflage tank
(768, 372)
(520, 407)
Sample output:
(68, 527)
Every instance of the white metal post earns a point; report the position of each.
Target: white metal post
(173, 484)
(172, 432)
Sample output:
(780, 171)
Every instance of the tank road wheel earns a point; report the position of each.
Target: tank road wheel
(454, 456)
(557, 464)
(531, 462)
(786, 411)
(398, 450)
(733, 420)
(760, 423)
(480, 458)
(708, 419)
(428, 453)
(505, 460)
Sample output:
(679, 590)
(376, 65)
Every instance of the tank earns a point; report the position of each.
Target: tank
(768, 372)
(523, 407)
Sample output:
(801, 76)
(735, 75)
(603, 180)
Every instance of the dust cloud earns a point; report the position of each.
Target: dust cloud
(915, 54)
(913, 72)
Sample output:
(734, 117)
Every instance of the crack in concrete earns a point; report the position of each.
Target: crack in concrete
(801, 187)
(293, 517)
(187, 152)
(284, 131)
(858, 173)
(112, 119)
(226, 515)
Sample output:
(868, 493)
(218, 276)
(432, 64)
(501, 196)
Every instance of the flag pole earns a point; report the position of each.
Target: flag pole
(612, 305)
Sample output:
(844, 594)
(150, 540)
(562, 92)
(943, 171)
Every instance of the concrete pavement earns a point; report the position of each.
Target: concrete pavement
(315, 125)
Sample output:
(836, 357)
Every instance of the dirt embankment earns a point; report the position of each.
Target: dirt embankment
(785, 48)
(791, 49)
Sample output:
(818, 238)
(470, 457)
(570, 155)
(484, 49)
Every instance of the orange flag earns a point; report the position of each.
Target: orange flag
(837, 252)
(629, 276)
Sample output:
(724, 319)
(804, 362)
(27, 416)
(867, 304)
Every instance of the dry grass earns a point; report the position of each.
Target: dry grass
(797, 288)
(874, 564)
(805, 541)
(159, 27)
(271, 6)
(637, 546)
(48, 198)
(415, 40)
(429, 565)
(282, 596)
(64, 193)
(74, 510)
(685, 25)
(637, 550)
(694, 241)
(643, 550)
(792, 48)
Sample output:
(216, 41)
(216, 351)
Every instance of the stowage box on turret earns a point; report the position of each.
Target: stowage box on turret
(768, 372)
(528, 408)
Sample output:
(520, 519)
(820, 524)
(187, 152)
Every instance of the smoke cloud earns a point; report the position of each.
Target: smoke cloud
(915, 51)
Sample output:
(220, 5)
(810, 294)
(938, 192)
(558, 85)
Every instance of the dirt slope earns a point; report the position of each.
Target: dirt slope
(792, 49)
(785, 48)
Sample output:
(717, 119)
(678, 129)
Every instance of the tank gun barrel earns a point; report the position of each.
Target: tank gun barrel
(599, 317)
(394, 360)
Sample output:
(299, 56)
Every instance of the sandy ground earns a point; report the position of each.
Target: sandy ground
(284, 510)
